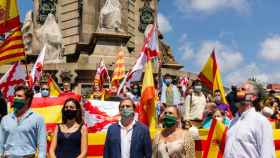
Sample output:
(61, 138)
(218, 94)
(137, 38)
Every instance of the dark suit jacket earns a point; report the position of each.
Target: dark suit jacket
(141, 146)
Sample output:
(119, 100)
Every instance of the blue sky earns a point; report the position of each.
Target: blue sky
(245, 34)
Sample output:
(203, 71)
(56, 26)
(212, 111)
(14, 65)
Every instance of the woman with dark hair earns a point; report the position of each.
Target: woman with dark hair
(70, 137)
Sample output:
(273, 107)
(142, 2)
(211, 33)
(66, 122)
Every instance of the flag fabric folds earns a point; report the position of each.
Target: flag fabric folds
(12, 49)
(119, 71)
(102, 73)
(147, 109)
(9, 15)
(14, 76)
(216, 140)
(211, 77)
(54, 88)
(37, 68)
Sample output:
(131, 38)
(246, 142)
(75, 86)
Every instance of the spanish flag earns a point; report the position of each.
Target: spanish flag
(9, 15)
(119, 71)
(54, 89)
(147, 112)
(12, 49)
(211, 77)
(215, 144)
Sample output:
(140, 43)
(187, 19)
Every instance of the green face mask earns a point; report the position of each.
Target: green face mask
(169, 121)
(18, 104)
(127, 112)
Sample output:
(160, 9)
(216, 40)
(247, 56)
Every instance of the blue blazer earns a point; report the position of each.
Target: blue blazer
(141, 146)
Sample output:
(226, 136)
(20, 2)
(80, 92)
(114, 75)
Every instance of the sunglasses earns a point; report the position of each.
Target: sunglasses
(44, 89)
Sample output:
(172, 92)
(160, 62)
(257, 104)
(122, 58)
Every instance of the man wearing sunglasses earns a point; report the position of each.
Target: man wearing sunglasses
(128, 138)
(250, 134)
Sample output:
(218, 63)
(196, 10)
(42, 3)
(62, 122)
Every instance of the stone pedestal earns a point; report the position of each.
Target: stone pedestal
(106, 46)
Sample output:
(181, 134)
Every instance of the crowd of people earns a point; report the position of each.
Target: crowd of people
(182, 110)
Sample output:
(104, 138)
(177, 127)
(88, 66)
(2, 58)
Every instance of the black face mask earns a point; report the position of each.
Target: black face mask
(70, 114)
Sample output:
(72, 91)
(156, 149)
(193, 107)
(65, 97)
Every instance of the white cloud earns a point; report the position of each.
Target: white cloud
(164, 24)
(185, 48)
(228, 58)
(211, 6)
(270, 48)
(243, 73)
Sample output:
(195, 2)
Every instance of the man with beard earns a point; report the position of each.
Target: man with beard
(250, 134)
(127, 138)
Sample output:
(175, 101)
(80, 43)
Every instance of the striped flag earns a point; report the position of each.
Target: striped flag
(12, 49)
(9, 15)
(119, 71)
(54, 88)
(216, 140)
(211, 77)
(147, 109)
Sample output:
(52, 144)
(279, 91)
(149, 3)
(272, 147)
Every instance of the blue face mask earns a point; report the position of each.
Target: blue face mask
(45, 93)
(168, 81)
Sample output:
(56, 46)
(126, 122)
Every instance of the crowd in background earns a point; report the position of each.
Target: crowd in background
(183, 107)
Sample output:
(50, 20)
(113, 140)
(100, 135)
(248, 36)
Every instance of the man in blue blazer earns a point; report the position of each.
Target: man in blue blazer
(128, 138)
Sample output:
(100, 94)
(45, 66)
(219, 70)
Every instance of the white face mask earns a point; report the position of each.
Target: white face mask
(197, 88)
(220, 119)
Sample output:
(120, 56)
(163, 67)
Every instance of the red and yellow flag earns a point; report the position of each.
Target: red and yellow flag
(147, 112)
(9, 15)
(54, 89)
(119, 71)
(215, 144)
(12, 49)
(211, 77)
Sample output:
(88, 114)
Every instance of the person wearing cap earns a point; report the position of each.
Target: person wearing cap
(250, 134)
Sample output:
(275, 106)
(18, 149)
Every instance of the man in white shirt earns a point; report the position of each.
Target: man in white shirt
(250, 134)
(195, 103)
(128, 138)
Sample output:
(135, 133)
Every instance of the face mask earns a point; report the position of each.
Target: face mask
(127, 112)
(169, 121)
(219, 118)
(69, 114)
(168, 81)
(135, 91)
(197, 88)
(218, 98)
(45, 93)
(18, 104)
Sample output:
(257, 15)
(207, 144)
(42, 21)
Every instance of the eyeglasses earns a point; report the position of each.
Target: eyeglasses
(44, 89)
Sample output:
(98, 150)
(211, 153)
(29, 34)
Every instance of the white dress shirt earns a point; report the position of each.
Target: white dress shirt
(126, 134)
(250, 136)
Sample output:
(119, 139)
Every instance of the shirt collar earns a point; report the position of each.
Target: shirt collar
(130, 126)
(26, 114)
(245, 113)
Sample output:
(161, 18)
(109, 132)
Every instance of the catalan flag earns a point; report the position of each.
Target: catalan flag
(211, 77)
(12, 49)
(119, 71)
(9, 15)
(147, 112)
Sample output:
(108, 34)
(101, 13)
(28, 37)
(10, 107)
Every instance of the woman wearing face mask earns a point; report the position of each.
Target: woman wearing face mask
(172, 141)
(70, 137)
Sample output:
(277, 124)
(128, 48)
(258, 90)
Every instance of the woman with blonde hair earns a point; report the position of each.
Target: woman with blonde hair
(172, 141)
